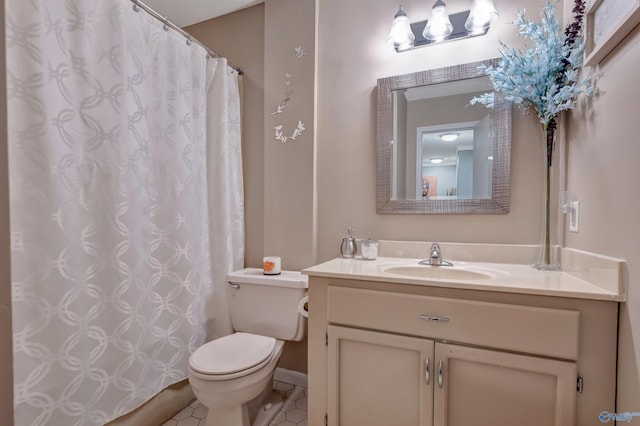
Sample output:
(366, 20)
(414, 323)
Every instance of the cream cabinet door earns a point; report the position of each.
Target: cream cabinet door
(490, 388)
(379, 379)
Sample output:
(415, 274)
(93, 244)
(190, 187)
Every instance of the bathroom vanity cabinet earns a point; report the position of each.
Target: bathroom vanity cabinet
(392, 353)
(408, 381)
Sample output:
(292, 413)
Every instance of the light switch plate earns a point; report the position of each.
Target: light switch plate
(574, 216)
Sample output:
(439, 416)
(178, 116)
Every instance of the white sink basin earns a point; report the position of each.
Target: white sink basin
(438, 272)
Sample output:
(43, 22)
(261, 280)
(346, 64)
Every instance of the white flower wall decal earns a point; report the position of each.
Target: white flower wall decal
(280, 108)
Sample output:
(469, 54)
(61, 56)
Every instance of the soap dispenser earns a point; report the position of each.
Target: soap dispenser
(348, 247)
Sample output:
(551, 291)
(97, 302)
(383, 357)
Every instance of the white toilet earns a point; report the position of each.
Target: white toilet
(232, 376)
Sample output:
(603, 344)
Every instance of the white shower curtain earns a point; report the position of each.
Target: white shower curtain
(124, 153)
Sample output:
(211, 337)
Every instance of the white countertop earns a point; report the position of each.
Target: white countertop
(508, 278)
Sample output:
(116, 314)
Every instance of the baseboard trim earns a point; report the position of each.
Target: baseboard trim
(295, 378)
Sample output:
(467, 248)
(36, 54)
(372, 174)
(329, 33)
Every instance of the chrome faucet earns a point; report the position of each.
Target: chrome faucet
(435, 258)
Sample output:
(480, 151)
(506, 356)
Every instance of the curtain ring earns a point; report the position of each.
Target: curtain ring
(136, 8)
(189, 41)
(166, 24)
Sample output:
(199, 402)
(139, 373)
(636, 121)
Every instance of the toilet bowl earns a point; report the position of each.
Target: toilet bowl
(227, 394)
(228, 375)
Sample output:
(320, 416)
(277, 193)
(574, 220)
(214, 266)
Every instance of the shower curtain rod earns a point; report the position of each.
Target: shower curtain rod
(137, 5)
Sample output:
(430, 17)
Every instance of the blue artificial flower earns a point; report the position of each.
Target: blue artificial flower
(544, 78)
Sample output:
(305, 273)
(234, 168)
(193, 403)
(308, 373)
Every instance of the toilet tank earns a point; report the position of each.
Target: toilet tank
(267, 304)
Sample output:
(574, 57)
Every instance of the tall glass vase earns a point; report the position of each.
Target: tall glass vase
(548, 256)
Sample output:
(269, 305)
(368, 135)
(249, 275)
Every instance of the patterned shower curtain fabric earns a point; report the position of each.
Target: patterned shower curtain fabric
(109, 134)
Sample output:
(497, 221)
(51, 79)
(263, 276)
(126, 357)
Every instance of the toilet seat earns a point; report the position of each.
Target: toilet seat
(232, 356)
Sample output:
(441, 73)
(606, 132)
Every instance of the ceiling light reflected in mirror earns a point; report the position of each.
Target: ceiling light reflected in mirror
(449, 137)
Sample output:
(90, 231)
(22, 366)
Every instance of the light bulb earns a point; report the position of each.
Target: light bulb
(480, 16)
(439, 26)
(401, 37)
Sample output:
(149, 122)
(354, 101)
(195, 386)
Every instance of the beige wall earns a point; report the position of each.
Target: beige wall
(239, 37)
(279, 193)
(289, 229)
(289, 204)
(352, 55)
(6, 351)
(603, 174)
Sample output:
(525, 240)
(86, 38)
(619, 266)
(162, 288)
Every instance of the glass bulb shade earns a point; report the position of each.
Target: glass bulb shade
(401, 37)
(480, 16)
(439, 26)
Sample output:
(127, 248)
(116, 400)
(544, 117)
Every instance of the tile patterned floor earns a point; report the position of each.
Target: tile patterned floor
(293, 413)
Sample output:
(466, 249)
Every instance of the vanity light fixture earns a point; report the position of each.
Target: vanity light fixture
(441, 26)
(449, 137)
(436, 160)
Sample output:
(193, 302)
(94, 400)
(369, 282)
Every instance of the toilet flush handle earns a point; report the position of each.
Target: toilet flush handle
(234, 285)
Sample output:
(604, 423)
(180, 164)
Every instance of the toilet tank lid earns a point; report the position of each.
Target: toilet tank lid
(293, 279)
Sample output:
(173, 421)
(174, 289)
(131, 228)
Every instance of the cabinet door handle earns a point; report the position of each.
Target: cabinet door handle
(440, 374)
(426, 369)
(434, 319)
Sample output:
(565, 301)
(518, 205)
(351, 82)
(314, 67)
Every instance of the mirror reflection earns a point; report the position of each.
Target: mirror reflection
(436, 153)
(442, 146)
